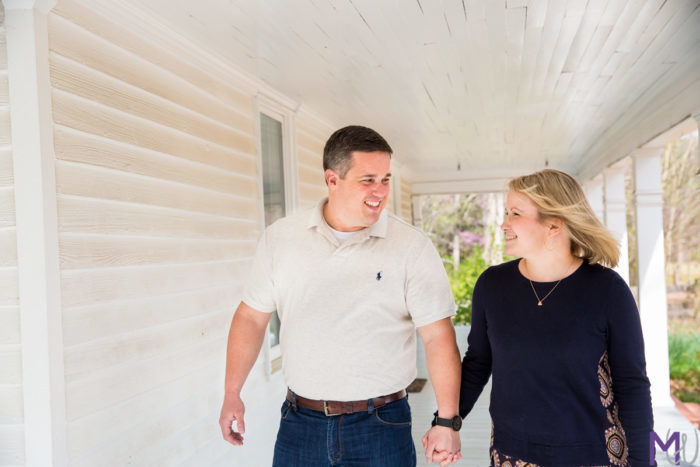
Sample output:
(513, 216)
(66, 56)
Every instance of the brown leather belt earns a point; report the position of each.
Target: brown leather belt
(331, 408)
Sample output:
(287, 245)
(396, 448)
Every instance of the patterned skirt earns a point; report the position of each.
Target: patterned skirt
(499, 459)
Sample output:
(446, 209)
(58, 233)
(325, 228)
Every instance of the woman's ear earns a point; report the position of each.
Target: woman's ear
(556, 226)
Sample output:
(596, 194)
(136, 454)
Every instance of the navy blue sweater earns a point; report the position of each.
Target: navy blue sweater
(569, 381)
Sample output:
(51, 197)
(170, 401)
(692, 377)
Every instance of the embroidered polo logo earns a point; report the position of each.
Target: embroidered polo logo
(379, 275)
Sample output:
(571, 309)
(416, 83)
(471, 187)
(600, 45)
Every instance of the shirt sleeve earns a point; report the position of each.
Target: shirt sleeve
(258, 292)
(628, 370)
(428, 294)
(476, 365)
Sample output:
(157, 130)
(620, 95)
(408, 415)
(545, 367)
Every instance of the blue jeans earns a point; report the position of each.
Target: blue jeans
(376, 438)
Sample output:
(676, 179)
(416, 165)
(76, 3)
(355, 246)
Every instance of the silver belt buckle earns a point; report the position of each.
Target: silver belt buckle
(325, 410)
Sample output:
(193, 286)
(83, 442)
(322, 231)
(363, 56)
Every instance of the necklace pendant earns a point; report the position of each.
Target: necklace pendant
(539, 303)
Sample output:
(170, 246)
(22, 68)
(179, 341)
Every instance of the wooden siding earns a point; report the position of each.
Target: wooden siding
(157, 200)
(311, 137)
(406, 210)
(11, 400)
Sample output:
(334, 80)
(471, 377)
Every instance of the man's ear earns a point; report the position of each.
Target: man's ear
(331, 178)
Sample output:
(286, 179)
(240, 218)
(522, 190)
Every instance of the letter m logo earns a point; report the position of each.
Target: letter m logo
(674, 439)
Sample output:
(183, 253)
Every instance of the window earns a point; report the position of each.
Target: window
(277, 183)
(271, 143)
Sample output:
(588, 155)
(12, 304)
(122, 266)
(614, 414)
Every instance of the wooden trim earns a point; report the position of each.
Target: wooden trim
(45, 440)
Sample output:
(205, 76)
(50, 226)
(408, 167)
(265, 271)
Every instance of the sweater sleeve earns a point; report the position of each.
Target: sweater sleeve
(476, 365)
(628, 370)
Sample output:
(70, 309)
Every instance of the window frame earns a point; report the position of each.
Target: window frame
(272, 353)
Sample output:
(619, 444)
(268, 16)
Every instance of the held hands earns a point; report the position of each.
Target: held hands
(232, 410)
(442, 445)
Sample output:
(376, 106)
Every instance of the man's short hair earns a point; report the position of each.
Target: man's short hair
(337, 154)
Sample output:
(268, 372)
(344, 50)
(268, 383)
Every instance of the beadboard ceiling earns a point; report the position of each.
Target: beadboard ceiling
(469, 88)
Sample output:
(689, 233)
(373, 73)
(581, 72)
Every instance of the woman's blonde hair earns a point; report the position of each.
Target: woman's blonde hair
(559, 195)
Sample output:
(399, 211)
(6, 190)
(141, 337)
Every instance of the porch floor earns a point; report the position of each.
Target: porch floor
(476, 430)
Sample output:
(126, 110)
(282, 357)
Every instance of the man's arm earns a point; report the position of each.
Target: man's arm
(445, 370)
(244, 341)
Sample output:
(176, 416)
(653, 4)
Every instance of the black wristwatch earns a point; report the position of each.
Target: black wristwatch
(455, 422)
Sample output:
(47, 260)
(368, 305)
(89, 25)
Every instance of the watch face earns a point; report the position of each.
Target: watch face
(457, 423)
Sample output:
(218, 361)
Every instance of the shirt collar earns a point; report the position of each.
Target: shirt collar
(378, 229)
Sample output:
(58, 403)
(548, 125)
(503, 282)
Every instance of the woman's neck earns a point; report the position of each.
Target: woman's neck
(549, 268)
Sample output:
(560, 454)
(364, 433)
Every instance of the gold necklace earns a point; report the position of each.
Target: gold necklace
(540, 300)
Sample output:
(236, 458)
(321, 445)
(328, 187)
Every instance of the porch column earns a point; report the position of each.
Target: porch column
(616, 212)
(594, 193)
(43, 382)
(652, 277)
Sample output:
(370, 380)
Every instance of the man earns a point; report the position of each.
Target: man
(350, 283)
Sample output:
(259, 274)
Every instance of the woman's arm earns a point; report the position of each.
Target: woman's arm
(630, 384)
(476, 365)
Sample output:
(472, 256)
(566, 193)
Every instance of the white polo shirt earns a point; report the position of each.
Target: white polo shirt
(348, 312)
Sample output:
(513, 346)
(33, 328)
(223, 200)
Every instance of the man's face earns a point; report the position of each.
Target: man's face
(356, 201)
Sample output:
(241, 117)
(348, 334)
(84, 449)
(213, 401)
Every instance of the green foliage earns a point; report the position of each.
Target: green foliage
(462, 281)
(684, 365)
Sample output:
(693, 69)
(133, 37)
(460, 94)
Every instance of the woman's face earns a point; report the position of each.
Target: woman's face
(525, 234)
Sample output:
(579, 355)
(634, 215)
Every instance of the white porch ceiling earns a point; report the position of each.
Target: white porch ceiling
(496, 87)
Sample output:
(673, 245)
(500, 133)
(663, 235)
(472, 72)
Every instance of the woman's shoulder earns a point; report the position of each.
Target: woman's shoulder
(500, 271)
(601, 273)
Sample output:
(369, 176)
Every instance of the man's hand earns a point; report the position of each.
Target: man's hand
(443, 445)
(232, 410)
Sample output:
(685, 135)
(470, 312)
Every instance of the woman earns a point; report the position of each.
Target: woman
(560, 333)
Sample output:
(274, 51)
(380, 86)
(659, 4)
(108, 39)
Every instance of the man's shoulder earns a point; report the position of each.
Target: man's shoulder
(299, 219)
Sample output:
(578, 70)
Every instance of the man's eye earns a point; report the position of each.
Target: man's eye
(385, 181)
(367, 181)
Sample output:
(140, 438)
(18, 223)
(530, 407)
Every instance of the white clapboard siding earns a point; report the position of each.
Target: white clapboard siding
(9, 294)
(309, 195)
(76, 146)
(157, 200)
(310, 141)
(11, 364)
(106, 387)
(8, 247)
(90, 117)
(158, 414)
(84, 215)
(77, 43)
(82, 359)
(196, 440)
(92, 182)
(406, 209)
(99, 321)
(11, 404)
(79, 251)
(4, 125)
(7, 207)
(83, 81)
(12, 445)
(221, 88)
(6, 174)
(310, 176)
(4, 89)
(85, 287)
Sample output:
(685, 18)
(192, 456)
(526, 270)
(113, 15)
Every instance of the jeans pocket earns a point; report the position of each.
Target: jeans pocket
(396, 414)
(286, 409)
